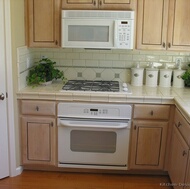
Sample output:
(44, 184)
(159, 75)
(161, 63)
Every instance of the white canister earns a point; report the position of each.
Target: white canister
(137, 76)
(165, 78)
(177, 80)
(151, 77)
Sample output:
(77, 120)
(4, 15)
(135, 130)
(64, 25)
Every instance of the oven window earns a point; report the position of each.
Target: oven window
(93, 141)
(88, 33)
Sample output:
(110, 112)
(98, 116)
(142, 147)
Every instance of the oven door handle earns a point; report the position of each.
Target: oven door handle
(92, 124)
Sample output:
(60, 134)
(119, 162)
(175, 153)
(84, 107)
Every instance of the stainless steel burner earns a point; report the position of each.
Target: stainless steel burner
(88, 85)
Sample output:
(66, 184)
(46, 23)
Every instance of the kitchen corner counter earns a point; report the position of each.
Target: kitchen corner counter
(154, 95)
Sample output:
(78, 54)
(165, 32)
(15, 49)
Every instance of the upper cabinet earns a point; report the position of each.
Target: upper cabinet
(99, 4)
(178, 25)
(43, 21)
(152, 24)
(163, 24)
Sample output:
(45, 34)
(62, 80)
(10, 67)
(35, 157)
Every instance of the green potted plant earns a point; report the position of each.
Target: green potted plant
(186, 77)
(44, 72)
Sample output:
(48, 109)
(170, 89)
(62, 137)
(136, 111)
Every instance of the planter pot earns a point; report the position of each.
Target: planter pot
(46, 83)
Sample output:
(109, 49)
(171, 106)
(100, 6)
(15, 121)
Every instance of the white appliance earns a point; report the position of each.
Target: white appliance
(97, 29)
(93, 135)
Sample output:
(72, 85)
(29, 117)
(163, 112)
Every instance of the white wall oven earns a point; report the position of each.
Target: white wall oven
(93, 135)
(97, 29)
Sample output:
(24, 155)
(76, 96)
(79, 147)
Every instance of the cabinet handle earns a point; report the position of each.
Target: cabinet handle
(184, 153)
(100, 3)
(51, 124)
(94, 2)
(169, 45)
(37, 108)
(56, 42)
(135, 127)
(164, 44)
(151, 113)
(179, 124)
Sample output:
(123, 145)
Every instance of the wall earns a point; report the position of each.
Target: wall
(96, 64)
(18, 39)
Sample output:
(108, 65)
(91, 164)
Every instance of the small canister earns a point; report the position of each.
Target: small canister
(165, 78)
(137, 76)
(151, 77)
(178, 82)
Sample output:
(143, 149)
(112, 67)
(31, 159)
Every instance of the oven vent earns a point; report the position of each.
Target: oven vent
(97, 14)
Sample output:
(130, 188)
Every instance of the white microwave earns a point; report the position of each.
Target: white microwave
(97, 29)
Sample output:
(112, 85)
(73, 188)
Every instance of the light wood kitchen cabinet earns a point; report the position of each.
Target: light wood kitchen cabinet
(99, 4)
(152, 24)
(43, 23)
(163, 25)
(178, 160)
(38, 132)
(187, 180)
(179, 154)
(148, 139)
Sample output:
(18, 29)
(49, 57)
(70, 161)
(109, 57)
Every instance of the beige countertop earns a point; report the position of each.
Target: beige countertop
(154, 95)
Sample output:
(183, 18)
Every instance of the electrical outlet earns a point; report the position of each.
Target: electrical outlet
(43, 56)
(178, 61)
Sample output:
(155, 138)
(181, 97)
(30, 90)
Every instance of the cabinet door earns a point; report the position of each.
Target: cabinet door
(117, 4)
(80, 4)
(38, 140)
(178, 159)
(152, 24)
(187, 180)
(148, 145)
(43, 21)
(178, 28)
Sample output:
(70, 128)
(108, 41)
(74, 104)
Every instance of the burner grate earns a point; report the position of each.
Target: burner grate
(88, 85)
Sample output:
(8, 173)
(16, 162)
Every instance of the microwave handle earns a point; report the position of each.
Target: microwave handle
(115, 33)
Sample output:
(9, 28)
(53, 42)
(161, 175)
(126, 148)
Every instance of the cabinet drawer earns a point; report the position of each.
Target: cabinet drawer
(183, 126)
(151, 111)
(37, 107)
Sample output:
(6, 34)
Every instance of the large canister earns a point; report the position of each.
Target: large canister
(178, 82)
(165, 78)
(137, 76)
(151, 77)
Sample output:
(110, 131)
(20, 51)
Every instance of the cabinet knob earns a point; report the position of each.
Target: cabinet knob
(179, 124)
(2, 96)
(164, 44)
(184, 153)
(56, 42)
(37, 108)
(151, 113)
(169, 45)
(94, 2)
(135, 127)
(100, 3)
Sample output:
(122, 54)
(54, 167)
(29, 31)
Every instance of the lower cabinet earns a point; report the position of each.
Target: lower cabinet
(187, 180)
(148, 145)
(38, 140)
(178, 159)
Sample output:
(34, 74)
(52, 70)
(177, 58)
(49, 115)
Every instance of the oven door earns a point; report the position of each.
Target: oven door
(97, 143)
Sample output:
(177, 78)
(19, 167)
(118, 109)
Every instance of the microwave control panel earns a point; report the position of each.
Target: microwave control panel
(124, 33)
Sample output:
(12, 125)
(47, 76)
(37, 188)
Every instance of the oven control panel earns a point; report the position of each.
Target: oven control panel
(95, 111)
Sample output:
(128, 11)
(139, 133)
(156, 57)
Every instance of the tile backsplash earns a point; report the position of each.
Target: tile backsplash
(96, 64)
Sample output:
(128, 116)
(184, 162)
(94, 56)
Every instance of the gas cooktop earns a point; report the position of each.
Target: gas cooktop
(89, 85)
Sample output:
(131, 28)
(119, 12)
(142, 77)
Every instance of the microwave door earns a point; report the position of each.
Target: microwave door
(87, 33)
